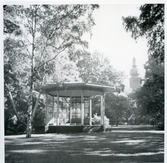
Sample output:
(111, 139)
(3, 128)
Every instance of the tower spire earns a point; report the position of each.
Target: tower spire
(134, 70)
(134, 79)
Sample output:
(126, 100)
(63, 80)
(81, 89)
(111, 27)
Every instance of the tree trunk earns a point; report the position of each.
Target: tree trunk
(31, 115)
(30, 108)
(29, 119)
(13, 105)
(117, 121)
(36, 104)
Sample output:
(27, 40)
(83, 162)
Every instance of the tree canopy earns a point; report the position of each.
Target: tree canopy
(149, 24)
(95, 68)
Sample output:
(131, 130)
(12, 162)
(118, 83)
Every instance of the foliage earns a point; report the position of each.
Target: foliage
(94, 68)
(13, 74)
(115, 108)
(134, 113)
(150, 24)
(12, 78)
(151, 98)
(65, 70)
(11, 25)
(39, 118)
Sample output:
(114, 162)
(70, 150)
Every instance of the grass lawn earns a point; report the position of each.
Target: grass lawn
(115, 146)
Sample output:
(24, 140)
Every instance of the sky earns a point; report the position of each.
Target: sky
(111, 39)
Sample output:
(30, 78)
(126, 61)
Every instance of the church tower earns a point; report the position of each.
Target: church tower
(134, 79)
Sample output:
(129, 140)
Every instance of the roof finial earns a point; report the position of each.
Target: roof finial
(134, 62)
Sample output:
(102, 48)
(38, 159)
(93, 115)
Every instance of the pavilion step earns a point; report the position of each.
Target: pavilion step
(73, 129)
(91, 129)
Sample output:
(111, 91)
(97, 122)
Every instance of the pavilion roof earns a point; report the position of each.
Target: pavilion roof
(68, 89)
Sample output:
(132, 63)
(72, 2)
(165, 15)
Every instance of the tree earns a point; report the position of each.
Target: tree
(65, 70)
(14, 95)
(46, 32)
(150, 24)
(94, 68)
(115, 107)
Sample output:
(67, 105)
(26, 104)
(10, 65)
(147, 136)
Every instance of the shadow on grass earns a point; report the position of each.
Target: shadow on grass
(85, 148)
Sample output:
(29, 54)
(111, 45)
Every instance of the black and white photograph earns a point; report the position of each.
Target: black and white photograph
(82, 82)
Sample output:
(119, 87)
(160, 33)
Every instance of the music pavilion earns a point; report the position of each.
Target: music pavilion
(69, 106)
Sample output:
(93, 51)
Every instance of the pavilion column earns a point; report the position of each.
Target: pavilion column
(57, 119)
(46, 108)
(82, 108)
(70, 117)
(102, 109)
(90, 112)
(53, 110)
